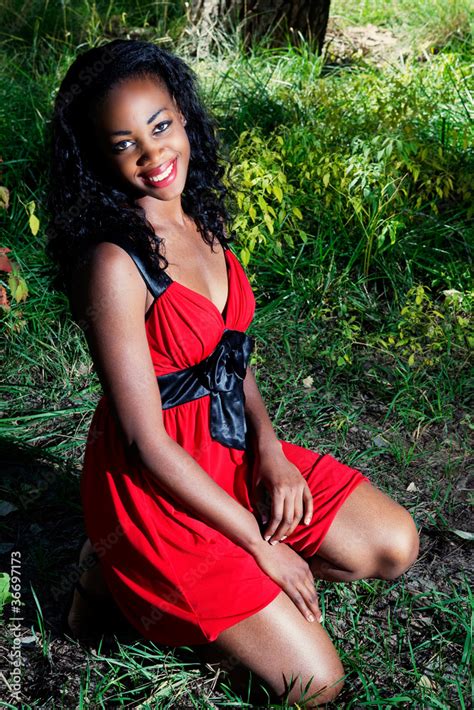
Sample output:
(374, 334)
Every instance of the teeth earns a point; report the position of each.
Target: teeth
(159, 178)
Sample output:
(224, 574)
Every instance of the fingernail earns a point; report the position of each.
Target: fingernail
(273, 542)
(310, 617)
(283, 538)
(320, 619)
(267, 538)
(307, 521)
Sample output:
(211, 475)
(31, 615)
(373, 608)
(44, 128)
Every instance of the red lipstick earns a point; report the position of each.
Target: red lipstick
(161, 176)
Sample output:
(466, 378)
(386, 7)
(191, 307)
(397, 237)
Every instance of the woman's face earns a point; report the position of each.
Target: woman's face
(142, 139)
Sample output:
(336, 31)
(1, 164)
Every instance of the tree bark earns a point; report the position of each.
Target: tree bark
(274, 19)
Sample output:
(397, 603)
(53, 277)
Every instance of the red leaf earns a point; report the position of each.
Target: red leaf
(4, 303)
(5, 263)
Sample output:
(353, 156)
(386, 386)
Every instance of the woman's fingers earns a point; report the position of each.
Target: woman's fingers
(308, 505)
(313, 598)
(290, 517)
(297, 515)
(286, 520)
(278, 507)
(293, 574)
(306, 600)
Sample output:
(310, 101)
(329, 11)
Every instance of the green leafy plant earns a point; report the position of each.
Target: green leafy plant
(5, 596)
(425, 329)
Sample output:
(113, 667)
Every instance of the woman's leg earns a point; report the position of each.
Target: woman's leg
(81, 617)
(371, 536)
(277, 643)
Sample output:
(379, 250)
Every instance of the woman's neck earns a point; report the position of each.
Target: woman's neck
(161, 213)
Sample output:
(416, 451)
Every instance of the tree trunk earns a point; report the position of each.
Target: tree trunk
(275, 19)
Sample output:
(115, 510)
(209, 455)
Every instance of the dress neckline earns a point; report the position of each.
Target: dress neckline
(223, 314)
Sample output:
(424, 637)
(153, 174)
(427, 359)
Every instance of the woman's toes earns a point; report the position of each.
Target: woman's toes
(80, 618)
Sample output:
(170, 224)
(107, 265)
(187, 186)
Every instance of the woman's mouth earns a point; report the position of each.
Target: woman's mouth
(164, 178)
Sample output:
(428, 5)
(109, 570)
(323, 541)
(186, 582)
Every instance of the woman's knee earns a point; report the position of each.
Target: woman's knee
(287, 652)
(399, 549)
(324, 687)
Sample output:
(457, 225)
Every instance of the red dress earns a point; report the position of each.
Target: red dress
(176, 579)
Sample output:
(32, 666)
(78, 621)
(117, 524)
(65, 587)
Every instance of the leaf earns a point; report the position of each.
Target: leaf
(4, 197)
(245, 256)
(18, 287)
(278, 192)
(453, 294)
(327, 177)
(269, 222)
(5, 596)
(464, 534)
(308, 381)
(426, 682)
(4, 302)
(6, 507)
(252, 213)
(297, 212)
(5, 263)
(34, 224)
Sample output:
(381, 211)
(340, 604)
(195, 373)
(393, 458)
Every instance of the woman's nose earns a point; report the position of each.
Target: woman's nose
(150, 153)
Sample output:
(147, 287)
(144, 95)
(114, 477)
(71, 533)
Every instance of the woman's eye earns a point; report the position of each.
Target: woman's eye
(163, 125)
(118, 147)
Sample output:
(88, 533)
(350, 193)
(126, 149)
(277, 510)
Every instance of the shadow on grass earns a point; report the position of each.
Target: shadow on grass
(41, 518)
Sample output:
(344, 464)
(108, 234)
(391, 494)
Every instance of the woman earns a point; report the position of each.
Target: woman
(181, 448)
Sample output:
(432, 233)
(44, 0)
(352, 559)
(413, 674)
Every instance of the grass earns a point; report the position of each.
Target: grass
(426, 25)
(354, 221)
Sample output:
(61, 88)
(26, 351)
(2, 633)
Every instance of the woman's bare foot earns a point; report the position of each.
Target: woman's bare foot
(82, 617)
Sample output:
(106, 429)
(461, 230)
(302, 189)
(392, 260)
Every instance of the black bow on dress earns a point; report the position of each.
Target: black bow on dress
(221, 375)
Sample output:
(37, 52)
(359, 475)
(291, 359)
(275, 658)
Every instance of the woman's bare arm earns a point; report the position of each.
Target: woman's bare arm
(110, 298)
(261, 428)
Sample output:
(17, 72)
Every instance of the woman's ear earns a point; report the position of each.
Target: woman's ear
(181, 117)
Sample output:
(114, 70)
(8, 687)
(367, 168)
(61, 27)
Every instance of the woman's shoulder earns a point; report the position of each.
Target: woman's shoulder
(103, 267)
(104, 260)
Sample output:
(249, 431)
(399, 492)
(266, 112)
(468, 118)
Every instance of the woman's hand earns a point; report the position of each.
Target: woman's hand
(292, 573)
(289, 494)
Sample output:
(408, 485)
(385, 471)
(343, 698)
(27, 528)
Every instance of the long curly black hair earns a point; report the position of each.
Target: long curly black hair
(84, 206)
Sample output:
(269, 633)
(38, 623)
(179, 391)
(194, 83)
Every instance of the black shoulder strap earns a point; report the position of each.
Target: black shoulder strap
(156, 284)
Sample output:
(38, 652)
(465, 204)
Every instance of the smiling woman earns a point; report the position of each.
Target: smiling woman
(155, 153)
(101, 159)
(181, 442)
